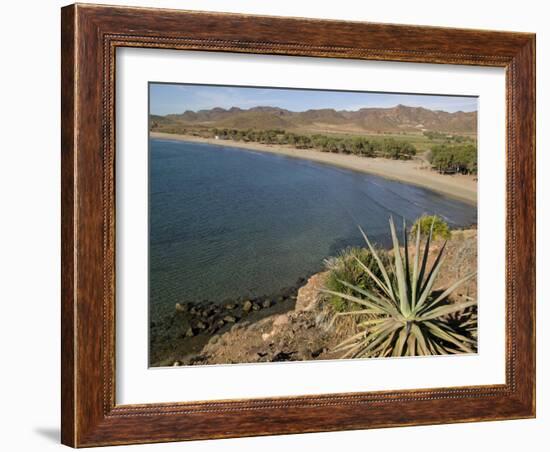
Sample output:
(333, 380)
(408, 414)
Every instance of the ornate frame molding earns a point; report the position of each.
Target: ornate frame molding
(90, 37)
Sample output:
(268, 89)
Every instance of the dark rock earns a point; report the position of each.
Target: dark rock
(317, 352)
(190, 332)
(266, 303)
(197, 359)
(201, 325)
(256, 307)
(282, 356)
(287, 291)
(180, 307)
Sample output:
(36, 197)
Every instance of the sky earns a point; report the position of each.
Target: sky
(177, 98)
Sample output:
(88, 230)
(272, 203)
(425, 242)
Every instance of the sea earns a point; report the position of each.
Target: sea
(228, 223)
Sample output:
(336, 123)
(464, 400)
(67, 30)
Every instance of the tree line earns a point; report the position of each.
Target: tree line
(454, 158)
(365, 147)
(449, 138)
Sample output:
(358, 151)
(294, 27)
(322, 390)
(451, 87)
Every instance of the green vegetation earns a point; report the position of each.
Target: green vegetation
(402, 314)
(433, 223)
(448, 138)
(454, 159)
(348, 267)
(448, 154)
(365, 147)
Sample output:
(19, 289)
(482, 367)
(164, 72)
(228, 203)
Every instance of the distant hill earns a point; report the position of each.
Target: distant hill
(400, 118)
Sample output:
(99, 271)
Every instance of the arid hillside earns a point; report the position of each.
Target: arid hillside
(396, 119)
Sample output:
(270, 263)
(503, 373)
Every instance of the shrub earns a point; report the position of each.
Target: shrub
(406, 316)
(454, 158)
(433, 223)
(348, 267)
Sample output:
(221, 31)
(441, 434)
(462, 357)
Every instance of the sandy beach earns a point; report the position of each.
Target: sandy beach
(414, 172)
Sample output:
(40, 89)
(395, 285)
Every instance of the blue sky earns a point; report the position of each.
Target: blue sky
(168, 98)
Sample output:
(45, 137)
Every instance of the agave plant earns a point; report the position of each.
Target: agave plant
(403, 315)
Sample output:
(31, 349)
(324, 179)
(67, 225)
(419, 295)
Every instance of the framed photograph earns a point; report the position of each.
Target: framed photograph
(282, 225)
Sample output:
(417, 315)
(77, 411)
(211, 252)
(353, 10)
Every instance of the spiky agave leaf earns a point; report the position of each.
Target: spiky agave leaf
(380, 265)
(404, 316)
(414, 279)
(404, 305)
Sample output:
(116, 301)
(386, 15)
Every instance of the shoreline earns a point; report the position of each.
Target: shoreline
(270, 329)
(191, 325)
(461, 187)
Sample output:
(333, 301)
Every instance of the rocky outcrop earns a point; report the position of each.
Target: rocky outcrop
(180, 336)
(297, 335)
(308, 295)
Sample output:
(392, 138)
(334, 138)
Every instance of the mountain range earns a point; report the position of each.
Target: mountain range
(400, 118)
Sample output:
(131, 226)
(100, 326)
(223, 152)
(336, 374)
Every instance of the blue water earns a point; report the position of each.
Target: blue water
(228, 222)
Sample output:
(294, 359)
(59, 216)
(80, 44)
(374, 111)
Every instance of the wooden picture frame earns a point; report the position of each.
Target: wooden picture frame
(90, 36)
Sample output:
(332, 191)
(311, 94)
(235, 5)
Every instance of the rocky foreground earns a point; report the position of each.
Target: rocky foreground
(180, 337)
(294, 327)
